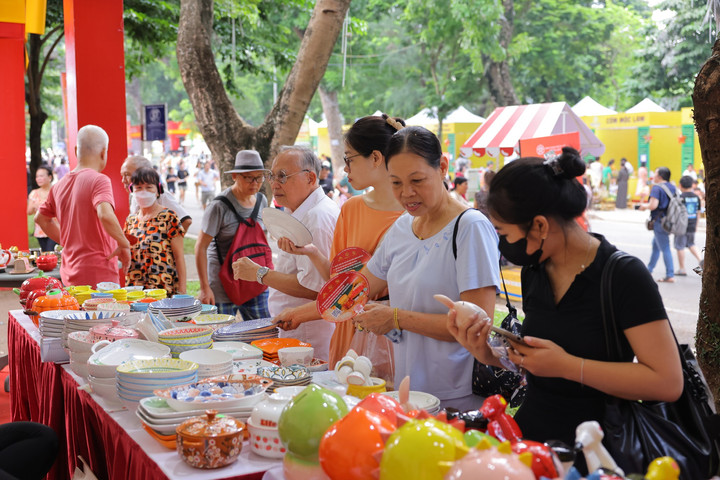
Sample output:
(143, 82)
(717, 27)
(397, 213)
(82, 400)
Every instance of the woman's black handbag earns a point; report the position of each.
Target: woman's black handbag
(488, 380)
(637, 432)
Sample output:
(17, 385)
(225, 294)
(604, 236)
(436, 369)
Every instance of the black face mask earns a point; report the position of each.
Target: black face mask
(517, 252)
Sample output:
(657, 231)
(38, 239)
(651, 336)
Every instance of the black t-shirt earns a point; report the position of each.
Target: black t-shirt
(554, 407)
(182, 174)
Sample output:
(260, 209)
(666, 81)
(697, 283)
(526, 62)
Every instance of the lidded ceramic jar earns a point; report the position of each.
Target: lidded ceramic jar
(112, 331)
(53, 300)
(210, 441)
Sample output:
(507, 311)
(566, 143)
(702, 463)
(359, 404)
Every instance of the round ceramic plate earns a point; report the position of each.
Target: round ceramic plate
(239, 350)
(213, 318)
(281, 224)
(159, 367)
(131, 349)
(422, 400)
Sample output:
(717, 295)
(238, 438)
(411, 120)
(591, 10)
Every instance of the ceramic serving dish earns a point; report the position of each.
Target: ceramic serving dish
(156, 368)
(295, 356)
(210, 441)
(239, 350)
(265, 441)
(216, 392)
(112, 331)
(107, 356)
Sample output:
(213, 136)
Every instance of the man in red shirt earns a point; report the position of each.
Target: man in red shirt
(83, 203)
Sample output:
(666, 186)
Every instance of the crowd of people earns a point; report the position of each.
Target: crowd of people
(424, 240)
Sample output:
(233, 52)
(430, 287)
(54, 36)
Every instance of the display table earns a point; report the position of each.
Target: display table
(9, 279)
(111, 441)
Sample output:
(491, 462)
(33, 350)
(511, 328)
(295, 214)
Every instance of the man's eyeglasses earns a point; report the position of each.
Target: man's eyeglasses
(348, 160)
(254, 179)
(281, 177)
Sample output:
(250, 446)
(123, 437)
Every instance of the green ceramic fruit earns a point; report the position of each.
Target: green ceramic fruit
(473, 437)
(307, 417)
(421, 450)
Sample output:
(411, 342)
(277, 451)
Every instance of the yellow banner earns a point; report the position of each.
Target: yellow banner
(12, 11)
(35, 16)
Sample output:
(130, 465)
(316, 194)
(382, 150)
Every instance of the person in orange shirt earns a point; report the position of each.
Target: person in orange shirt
(363, 219)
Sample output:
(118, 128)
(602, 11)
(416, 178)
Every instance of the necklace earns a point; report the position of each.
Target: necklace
(584, 265)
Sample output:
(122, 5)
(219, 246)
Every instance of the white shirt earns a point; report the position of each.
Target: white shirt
(319, 214)
(689, 173)
(167, 200)
(415, 270)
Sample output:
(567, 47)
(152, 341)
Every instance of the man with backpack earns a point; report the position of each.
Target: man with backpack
(660, 196)
(232, 219)
(687, 240)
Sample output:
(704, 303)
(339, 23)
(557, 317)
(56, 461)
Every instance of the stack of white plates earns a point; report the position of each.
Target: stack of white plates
(177, 309)
(421, 400)
(239, 350)
(102, 365)
(187, 338)
(292, 376)
(157, 414)
(247, 331)
(52, 321)
(212, 362)
(83, 321)
(138, 379)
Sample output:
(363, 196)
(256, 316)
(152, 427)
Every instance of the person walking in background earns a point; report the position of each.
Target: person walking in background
(459, 190)
(481, 195)
(62, 169)
(690, 172)
(641, 191)
(207, 179)
(157, 256)
(86, 226)
(622, 185)
(326, 179)
(608, 175)
(44, 179)
(182, 174)
(658, 205)
(171, 179)
(687, 241)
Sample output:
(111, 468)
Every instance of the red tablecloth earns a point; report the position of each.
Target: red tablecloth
(48, 394)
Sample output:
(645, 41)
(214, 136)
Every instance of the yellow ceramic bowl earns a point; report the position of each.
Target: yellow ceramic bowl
(136, 295)
(362, 391)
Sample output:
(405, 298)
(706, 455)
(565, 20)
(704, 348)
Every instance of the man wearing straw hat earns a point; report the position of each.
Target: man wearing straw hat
(220, 224)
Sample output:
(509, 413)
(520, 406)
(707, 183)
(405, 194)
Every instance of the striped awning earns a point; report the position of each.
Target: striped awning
(506, 126)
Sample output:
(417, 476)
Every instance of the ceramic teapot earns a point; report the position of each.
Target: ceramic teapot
(5, 257)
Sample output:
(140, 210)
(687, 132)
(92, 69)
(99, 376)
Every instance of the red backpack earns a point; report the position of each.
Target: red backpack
(249, 242)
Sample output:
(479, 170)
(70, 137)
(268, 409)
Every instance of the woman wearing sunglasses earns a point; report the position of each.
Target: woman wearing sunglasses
(219, 223)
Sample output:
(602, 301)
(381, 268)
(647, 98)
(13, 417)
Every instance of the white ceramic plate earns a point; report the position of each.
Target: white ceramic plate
(250, 366)
(422, 400)
(157, 410)
(109, 357)
(280, 224)
(239, 350)
(157, 368)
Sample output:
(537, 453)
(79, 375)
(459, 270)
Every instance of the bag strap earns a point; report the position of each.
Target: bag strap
(240, 219)
(511, 309)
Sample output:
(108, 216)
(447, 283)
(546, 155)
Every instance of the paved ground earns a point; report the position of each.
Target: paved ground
(624, 228)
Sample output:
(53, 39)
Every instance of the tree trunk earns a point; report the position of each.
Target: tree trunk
(133, 91)
(331, 108)
(224, 131)
(706, 102)
(32, 98)
(497, 74)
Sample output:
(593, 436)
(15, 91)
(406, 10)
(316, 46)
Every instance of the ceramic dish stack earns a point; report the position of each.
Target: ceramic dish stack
(211, 362)
(270, 347)
(102, 364)
(421, 400)
(80, 349)
(137, 379)
(177, 309)
(208, 309)
(52, 322)
(239, 350)
(183, 339)
(119, 294)
(156, 414)
(247, 331)
(114, 307)
(91, 304)
(156, 293)
(84, 321)
(250, 366)
(213, 320)
(226, 391)
(293, 376)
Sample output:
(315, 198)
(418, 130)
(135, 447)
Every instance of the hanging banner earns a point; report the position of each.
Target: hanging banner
(687, 152)
(550, 146)
(154, 122)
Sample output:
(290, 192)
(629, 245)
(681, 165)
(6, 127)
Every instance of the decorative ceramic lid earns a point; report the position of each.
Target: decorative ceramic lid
(210, 425)
(113, 331)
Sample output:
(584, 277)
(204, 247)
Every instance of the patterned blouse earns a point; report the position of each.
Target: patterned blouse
(152, 263)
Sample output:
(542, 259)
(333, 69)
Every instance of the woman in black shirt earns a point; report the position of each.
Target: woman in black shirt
(533, 204)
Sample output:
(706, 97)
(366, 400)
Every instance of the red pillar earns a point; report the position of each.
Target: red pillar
(95, 61)
(13, 221)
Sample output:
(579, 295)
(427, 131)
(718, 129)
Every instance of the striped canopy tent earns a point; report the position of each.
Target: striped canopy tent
(506, 126)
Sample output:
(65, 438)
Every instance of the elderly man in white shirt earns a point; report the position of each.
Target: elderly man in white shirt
(166, 199)
(294, 281)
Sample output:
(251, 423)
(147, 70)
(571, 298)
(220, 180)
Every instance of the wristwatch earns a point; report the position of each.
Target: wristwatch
(260, 274)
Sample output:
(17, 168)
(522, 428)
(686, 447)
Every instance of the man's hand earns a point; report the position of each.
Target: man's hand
(245, 269)
(123, 254)
(206, 296)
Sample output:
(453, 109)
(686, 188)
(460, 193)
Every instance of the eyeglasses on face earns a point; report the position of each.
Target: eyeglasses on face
(254, 178)
(348, 160)
(281, 177)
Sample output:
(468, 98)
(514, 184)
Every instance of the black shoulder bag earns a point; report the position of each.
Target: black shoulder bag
(488, 380)
(637, 432)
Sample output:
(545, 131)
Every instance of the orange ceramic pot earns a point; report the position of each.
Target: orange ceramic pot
(53, 300)
(210, 441)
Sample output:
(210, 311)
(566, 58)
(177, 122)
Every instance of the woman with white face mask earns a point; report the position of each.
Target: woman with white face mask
(156, 238)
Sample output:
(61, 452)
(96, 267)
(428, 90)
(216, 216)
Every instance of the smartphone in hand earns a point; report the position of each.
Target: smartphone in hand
(509, 335)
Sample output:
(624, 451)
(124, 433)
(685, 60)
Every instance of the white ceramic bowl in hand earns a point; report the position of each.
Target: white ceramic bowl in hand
(296, 356)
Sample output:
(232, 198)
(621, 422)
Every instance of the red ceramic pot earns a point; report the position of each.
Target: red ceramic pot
(41, 281)
(46, 263)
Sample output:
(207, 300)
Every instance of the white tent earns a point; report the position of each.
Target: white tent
(424, 117)
(645, 106)
(588, 107)
(463, 115)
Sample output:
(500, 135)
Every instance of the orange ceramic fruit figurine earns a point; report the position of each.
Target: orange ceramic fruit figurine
(53, 300)
(384, 405)
(351, 449)
(421, 450)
